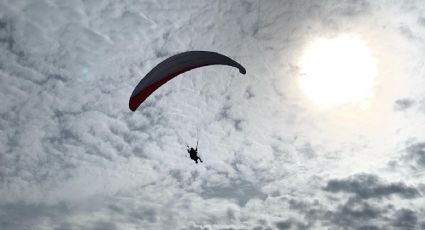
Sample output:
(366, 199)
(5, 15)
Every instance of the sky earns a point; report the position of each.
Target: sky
(73, 156)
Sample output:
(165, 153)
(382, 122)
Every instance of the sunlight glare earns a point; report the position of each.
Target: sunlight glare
(337, 71)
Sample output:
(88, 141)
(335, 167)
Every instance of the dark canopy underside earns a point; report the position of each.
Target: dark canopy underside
(173, 66)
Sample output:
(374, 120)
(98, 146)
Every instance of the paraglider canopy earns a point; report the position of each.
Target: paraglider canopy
(172, 67)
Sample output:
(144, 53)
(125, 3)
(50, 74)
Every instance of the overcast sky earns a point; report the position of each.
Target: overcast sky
(73, 156)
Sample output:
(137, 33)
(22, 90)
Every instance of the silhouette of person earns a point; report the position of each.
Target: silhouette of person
(194, 154)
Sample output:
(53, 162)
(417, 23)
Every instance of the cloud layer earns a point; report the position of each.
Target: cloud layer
(72, 155)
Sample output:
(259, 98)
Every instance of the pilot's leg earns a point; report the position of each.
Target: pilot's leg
(200, 159)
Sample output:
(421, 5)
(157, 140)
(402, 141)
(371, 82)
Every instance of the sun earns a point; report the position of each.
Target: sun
(337, 71)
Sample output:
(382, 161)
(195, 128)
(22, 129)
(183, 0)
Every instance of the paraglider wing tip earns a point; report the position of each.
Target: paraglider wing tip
(131, 108)
(132, 104)
(242, 70)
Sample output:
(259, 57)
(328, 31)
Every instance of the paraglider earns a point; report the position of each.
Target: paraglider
(193, 153)
(174, 66)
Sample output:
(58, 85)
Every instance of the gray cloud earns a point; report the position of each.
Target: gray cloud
(291, 224)
(248, 93)
(367, 186)
(405, 219)
(421, 21)
(366, 208)
(225, 114)
(25, 216)
(353, 7)
(240, 191)
(415, 153)
(351, 213)
(282, 225)
(354, 214)
(403, 104)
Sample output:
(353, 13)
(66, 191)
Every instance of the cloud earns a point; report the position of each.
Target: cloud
(240, 191)
(354, 214)
(403, 104)
(405, 219)
(415, 153)
(353, 7)
(291, 224)
(225, 114)
(72, 156)
(20, 215)
(421, 21)
(373, 203)
(368, 186)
